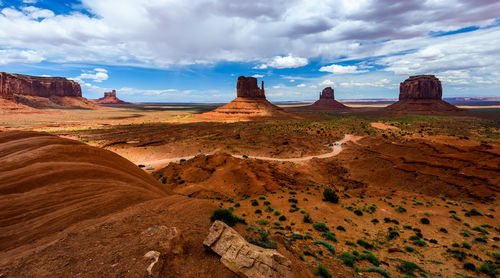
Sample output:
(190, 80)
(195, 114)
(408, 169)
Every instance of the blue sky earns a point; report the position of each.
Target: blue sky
(193, 51)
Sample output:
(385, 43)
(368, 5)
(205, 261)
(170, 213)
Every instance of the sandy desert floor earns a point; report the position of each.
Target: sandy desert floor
(418, 194)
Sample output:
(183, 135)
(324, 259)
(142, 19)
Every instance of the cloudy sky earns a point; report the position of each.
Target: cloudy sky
(193, 51)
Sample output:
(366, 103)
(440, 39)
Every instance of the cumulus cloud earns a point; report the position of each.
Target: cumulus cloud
(97, 75)
(327, 82)
(380, 83)
(338, 69)
(9, 56)
(301, 85)
(283, 62)
(258, 75)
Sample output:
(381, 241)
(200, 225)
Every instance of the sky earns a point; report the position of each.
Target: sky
(193, 51)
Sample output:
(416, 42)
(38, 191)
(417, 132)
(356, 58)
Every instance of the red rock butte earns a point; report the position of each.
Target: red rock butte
(421, 94)
(326, 102)
(110, 99)
(250, 103)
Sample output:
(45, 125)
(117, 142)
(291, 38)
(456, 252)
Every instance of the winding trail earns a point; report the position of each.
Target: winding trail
(336, 149)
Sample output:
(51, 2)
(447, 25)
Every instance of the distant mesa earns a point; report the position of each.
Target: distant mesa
(110, 99)
(421, 94)
(326, 102)
(42, 92)
(250, 103)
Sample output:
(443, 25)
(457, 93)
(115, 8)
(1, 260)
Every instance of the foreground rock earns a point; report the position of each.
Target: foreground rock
(326, 102)
(110, 99)
(42, 92)
(243, 258)
(421, 94)
(251, 103)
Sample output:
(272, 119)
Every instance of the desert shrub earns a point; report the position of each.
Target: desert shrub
(406, 226)
(322, 271)
(474, 212)
(350, 243)
(456, 217)
(466, 245)
(424, 220)
(282, 218)
(479, 229)
(267, 203)
(364, 244)
(408, 268)
(400, 209)
(420, 242)
(262, 222)
(292, 200)
(496, 255)
(454, 244)
(226, 216)
(378, 270)
(262, 197)
(340, 228)
(443, 230)
(327, 245)
(258, 211)
(409, 248)
(358, 212)
(392, 235)
(370, 257)
(433, 241)
(414, 237)
(307, 218)
(321, 227)
(263, 240)
(254, 202)
(269, 209)
(387, 220)
(329, 195)
(348, 259)
(375, 221)
(277, 212)
(489, 269)
(480, 239)
(469, 266)
(329, 236)
(460, 255)
(465, 233)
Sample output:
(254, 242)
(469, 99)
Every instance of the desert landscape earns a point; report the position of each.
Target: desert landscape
(368, 175)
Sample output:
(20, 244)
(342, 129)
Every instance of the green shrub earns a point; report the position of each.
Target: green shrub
(277, 212)
(443, 230)
(348, 259)
(474, 212)
(307, 218)
(322, 271)
(292, 200)
(370, 257)
(327, 245)
(378, 270)
(408, 268)
(340, 228)
(254, 202)
(329, 195)
(466, 245)
(479, 229)
(226, 216)
(258, 211)
(375, 221)
(469, 266)
(456, 217)
(350, 243)
(329, 236)
(262, 197)
(364, 244)
(321, 227)
(282, 218)
(420, 242)
(409, 248)
(424, 220)
(358, 212)
(263, 240)
(400, 209)
(489, 269)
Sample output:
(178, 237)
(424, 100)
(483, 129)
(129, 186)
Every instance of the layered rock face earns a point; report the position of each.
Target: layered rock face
(19, 84)
(421, 87)
(327, 93)
(243, 258)
(110, 98)
(421, 94)
(247, 87)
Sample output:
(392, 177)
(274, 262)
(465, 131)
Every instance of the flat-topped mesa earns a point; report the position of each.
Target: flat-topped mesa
(421, 87)
(19, 84)
(111, 94)
(327, 93)
(247, 87)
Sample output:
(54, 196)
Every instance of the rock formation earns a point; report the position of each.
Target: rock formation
(326, 102)
(19, 84)
(247, 87)
(42, 92)
(110, 99)
(250, 103)
(243, 258)
(421, 94)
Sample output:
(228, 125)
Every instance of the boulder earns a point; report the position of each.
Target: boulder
(421, 87)
(247, 87)
(243, 258)
(11, 84)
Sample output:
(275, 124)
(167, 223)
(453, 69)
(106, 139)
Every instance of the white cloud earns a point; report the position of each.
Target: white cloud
(37, 13)
(10, 56)
(313, 86)
(380, 83)
(30, 1)
(283, 62)
(97, 75)
(258, 75)
(338, 69)
(276, 87)
(327, 82)
(301, 85)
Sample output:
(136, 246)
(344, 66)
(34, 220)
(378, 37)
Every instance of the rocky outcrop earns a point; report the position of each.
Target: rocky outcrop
(243, 258)
(110, 98)
(421, 94)
(326, 102)
(18, 84)
(327, 93)
(247, 87)
(421, 87)
(250, 104)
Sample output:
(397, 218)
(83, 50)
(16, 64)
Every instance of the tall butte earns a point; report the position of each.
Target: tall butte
(250, 103)
(326, 101)
(421, 94)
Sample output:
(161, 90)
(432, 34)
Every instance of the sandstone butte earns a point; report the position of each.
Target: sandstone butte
(250, 103)
(326, 101)
(421, 94)
(110, 98)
